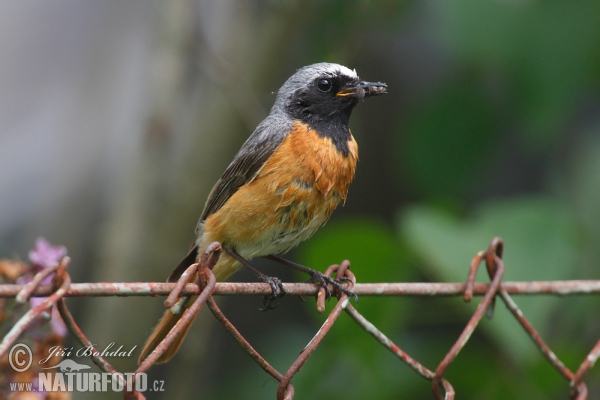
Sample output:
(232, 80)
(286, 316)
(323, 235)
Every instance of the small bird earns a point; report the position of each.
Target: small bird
(283, 184)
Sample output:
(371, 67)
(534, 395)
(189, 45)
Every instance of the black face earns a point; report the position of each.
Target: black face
(319, 100)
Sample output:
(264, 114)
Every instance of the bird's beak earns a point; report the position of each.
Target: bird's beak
(363, 89)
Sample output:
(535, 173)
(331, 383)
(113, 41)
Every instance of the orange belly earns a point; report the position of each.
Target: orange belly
(293, 195)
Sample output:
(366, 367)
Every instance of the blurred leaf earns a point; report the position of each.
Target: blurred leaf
(452, 130)
(545, 47)
(375, 256)
(244, 373)
(370, 245)
(579, 187)
(539, 245)
(333, 24)
(583, 184)
(348, 352)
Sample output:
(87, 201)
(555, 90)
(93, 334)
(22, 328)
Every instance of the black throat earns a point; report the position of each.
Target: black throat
(333, 126)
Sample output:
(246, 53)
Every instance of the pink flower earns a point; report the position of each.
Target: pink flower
(45, 255)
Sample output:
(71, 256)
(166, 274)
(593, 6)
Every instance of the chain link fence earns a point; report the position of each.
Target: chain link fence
(50, 285)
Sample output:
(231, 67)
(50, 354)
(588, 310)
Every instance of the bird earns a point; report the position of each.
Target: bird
(282, 185)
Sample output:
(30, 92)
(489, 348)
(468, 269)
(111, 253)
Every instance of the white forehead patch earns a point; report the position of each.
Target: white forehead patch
(337, 69)
(305, 77)
(348, 72)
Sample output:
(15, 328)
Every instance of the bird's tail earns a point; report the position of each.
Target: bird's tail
(223, 269)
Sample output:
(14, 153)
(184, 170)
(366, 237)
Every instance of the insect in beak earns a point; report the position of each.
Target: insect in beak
(363, 89)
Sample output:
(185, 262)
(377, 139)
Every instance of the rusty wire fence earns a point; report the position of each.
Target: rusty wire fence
(206, 287)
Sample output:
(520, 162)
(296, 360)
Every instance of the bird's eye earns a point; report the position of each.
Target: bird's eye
(324, 85)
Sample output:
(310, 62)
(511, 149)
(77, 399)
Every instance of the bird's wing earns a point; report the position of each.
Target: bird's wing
(244, 167)
(246, 164)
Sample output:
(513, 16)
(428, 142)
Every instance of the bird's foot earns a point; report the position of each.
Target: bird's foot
(323, 280)
(277, 291)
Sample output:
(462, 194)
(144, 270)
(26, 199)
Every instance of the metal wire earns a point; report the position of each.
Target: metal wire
(205, 287)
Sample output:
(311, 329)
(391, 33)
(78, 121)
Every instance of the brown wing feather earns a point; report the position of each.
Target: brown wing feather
(241, 171)
(247, 162)
(244, 167)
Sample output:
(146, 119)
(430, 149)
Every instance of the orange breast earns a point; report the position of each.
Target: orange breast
(292, 195)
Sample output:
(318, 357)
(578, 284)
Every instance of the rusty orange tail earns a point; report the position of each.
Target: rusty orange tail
(222, 270)
(166, 323)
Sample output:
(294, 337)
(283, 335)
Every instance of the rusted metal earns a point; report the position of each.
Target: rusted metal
(584, 368)
(25, 294)
(186, 319)
(578, 387)
(416, 289)
(391, 346)
(469, 287)
(173, 297)
(104, 365)
(342, 271)
(208, 260)
(322, 292)
(26, 320)
(471, 325)
(95, 354)
(247, 347)
(204, 287)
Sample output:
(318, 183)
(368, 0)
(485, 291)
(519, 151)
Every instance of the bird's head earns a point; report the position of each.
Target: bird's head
(323, 91)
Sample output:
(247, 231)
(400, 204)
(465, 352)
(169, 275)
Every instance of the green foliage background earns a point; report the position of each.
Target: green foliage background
(491, 128)
(504, 143)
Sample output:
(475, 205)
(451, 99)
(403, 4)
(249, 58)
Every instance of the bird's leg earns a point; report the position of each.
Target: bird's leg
(277, 290)
(315, 276)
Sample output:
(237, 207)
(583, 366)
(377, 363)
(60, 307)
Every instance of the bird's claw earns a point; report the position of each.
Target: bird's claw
(277, 292)
(324, 280)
